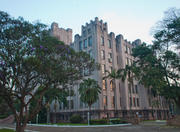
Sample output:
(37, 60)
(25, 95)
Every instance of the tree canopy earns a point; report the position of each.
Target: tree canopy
(31, 63)
(157, 66)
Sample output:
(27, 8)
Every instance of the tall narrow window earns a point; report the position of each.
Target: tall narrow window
(117, 60)
(137, 102)
(126, 49)
(113, 101)
(90, 41)
(103, 54)
(109, 44)
(136, 88)
(133, 89)
(130, 102)
(80, 45)
(111, 85)
(102, 40)
(110, 57)
(104, 84)
(103, 68)
(129, 87)
(127, 61)
(105, 100)
(90, 53)
(134, 101)
(85, 43)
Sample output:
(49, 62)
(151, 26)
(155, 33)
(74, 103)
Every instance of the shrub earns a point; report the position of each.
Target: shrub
(100, 121)
(76, 118)
(118, 121)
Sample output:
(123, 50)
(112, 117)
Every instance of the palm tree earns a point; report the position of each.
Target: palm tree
(57, 95)
(89, 91)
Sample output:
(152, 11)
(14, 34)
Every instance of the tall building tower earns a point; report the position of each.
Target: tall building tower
(118, 98)
(61, 34)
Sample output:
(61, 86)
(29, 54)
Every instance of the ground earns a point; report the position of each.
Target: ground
(143, 127)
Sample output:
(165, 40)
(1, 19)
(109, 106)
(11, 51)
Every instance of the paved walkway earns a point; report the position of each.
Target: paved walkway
(143, 127)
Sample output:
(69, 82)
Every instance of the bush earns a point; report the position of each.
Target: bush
(76, 118)
(100, 121)
(118, 121)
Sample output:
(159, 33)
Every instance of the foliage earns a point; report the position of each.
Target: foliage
(76, 118)
(157, 66)
(118, 121)
(6, 130)
(89, 91)
(98, 122)
(32, 62)
(4, 109)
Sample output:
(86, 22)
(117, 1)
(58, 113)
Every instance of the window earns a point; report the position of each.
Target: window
(84, 33)
(137, 102)
(130, 102)
(104, 84)
(120, 101)
(89, 30)
(129, 87)
(90, 41)
(134, 101)
(102, 41)
(103, 68)
(85, 43)
(80, 45)
(133, 90)
(109, 43)
(127, 61)
(136, 88)
(90, 53)
(110, 57)
(110, 69)
(111, 85)
(117, 60)
(72, 104)
(81, 103)
(112, 101)
(86, 72)
(105, 100)
(103, 54)
(126, 49)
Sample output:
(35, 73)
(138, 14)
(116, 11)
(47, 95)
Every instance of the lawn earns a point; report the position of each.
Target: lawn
(6, 130)
(73, 124)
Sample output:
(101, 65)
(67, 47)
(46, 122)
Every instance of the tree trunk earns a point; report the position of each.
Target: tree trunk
(89, 112)
(19, 127)
(48, 116)
(178, 107)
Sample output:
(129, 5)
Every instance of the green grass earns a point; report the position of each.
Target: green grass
(73, 124)
(6, 130)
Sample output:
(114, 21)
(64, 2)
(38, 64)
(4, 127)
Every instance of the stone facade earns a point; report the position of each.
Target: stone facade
(117, 98)
(61, 34)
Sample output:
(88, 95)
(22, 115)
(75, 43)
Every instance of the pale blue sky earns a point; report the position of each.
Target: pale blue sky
(131, 18)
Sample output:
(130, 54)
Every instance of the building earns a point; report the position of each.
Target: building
(118, 98)
(62, 34)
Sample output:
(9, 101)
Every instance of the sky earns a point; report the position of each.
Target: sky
(134, 19)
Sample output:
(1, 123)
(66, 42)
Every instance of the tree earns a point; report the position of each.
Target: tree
(89, 92)
(157, 66)
(33, 62)
(57, 95)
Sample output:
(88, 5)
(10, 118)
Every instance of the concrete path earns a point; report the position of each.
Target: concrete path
(143, 127)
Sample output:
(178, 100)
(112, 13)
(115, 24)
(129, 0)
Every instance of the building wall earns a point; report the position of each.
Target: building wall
(111, 52)
(61, 34)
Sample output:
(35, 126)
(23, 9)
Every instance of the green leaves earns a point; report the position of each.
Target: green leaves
(89, 91)
(34, 65)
